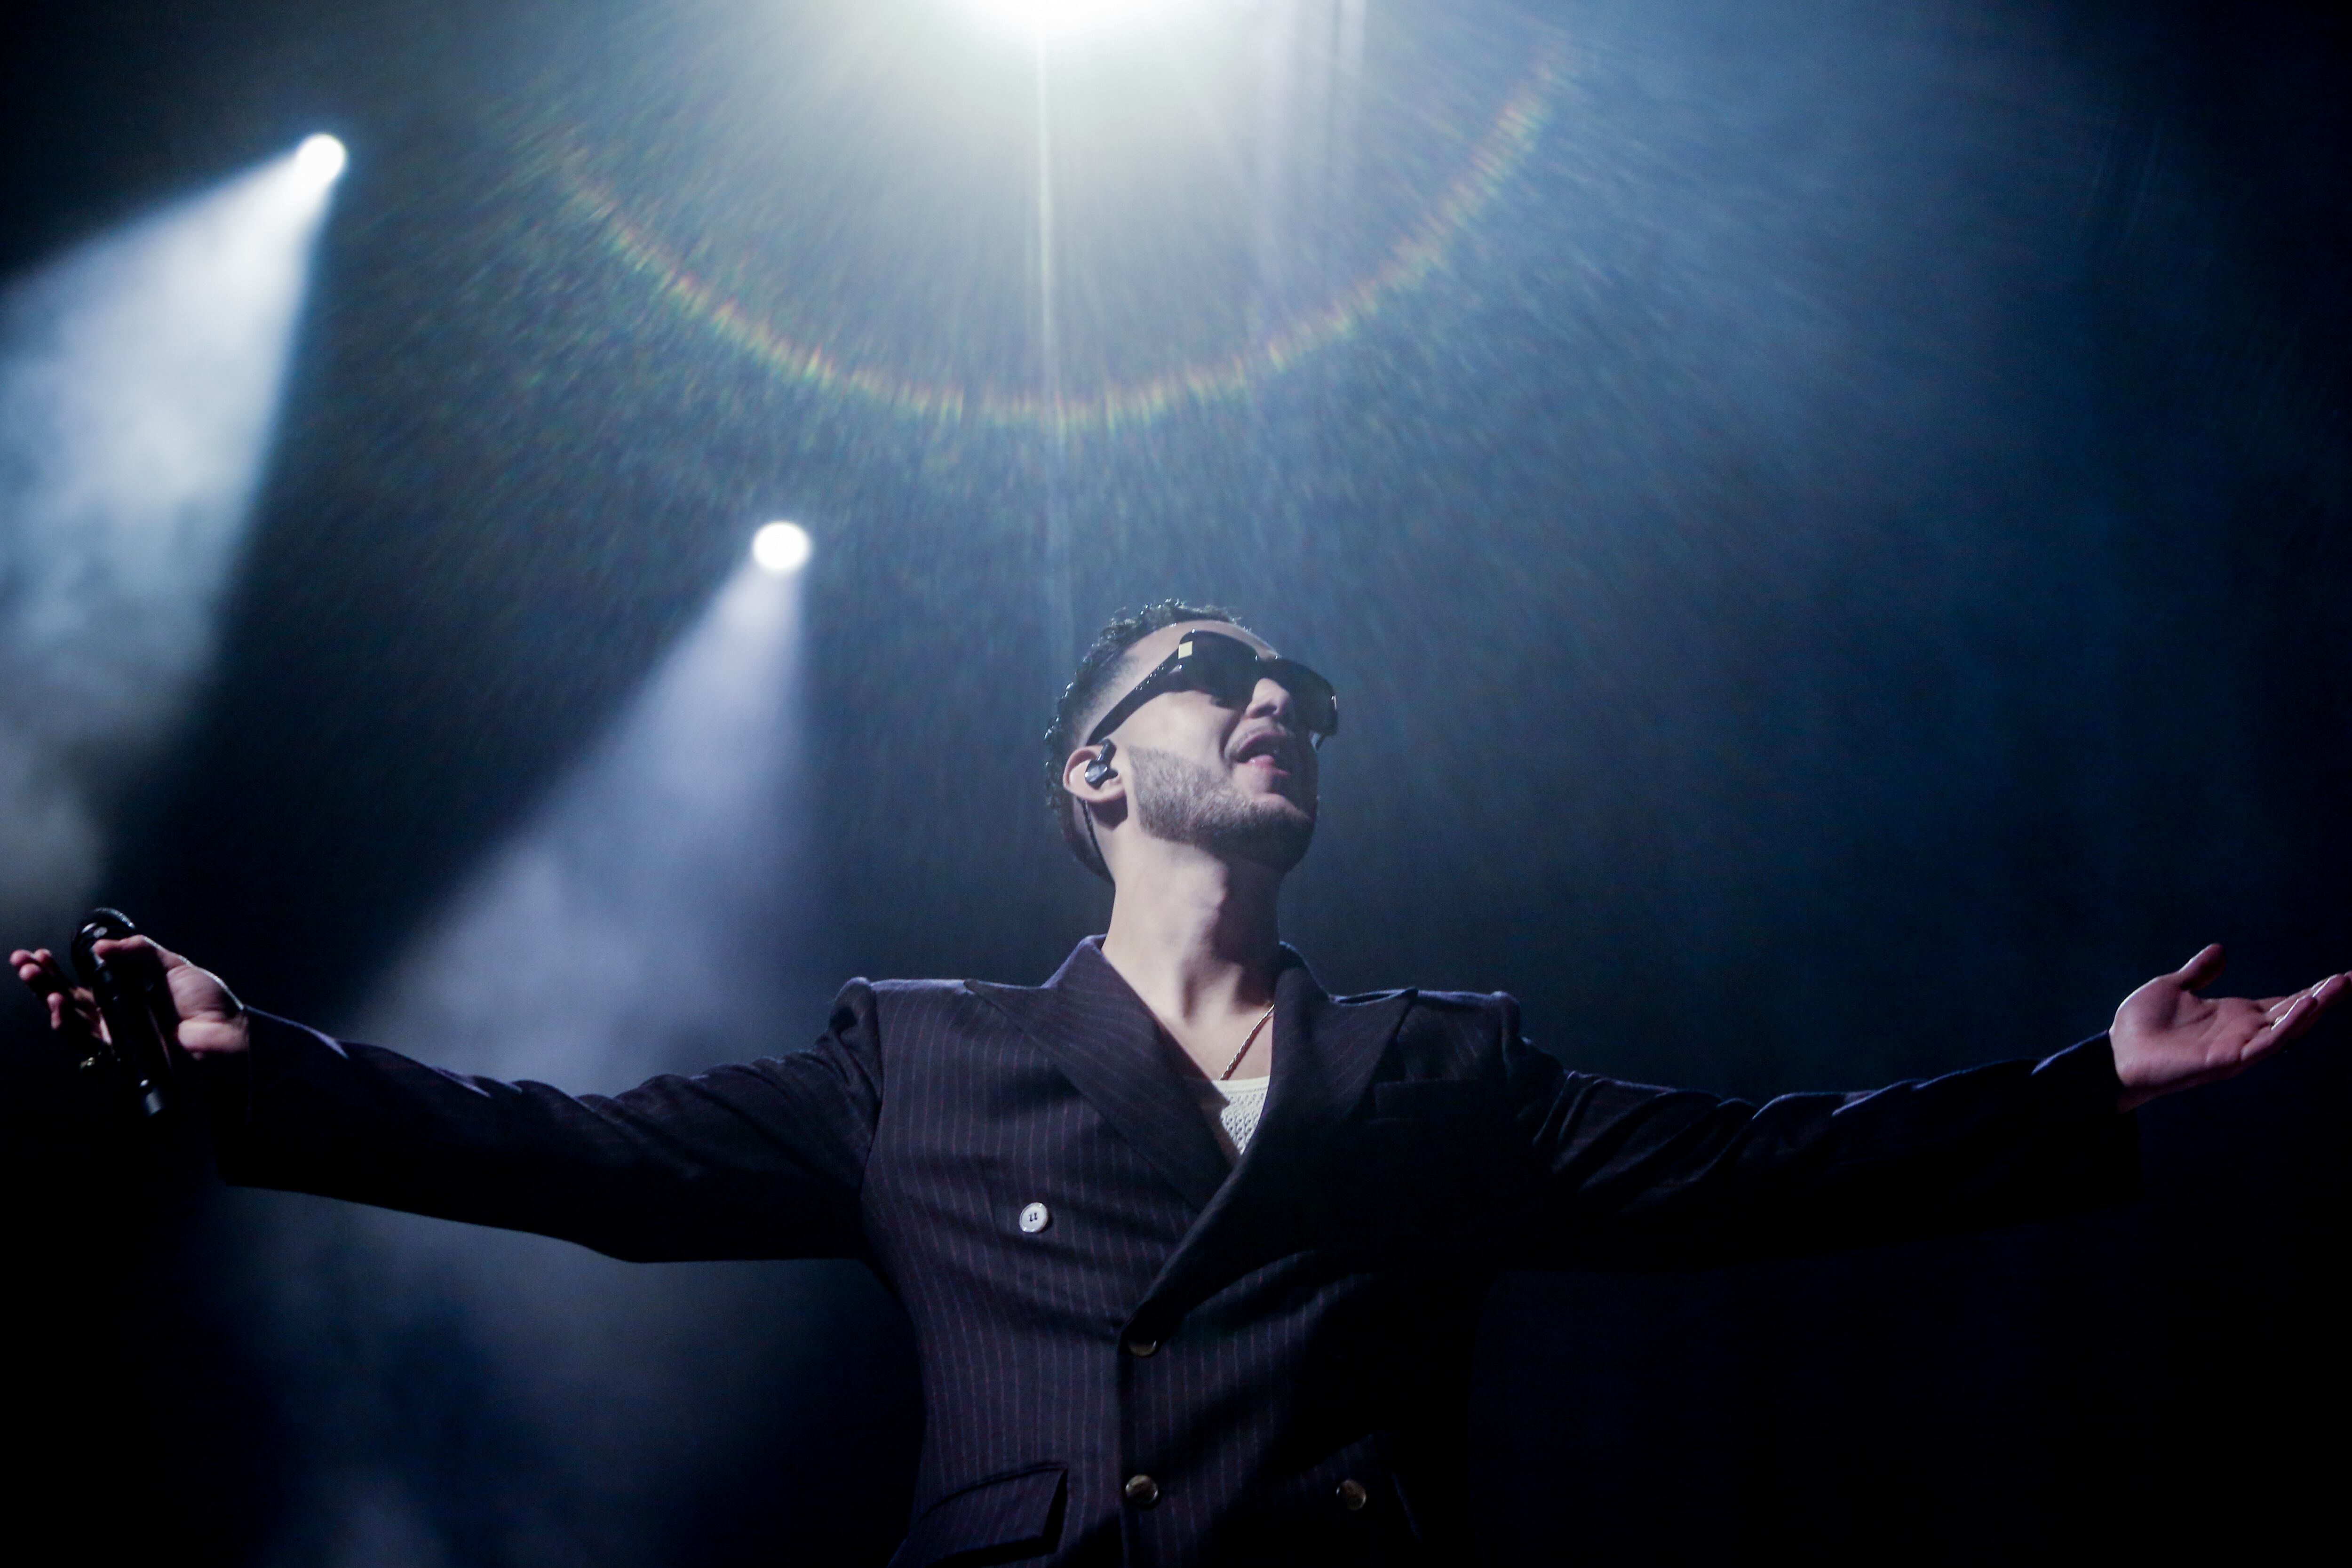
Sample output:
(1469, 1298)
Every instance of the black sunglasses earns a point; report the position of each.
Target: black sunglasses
(1228, 670)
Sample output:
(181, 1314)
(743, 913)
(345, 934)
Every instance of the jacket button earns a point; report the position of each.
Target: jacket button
(1352, 1494)
(1140, 1490)
(1141, 1346)
(1035, 1217)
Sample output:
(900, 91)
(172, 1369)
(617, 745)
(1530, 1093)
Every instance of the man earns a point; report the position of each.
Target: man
(1155, 1328)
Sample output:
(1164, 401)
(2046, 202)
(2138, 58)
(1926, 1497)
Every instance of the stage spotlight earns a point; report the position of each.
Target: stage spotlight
(320, 160)
(781, 547)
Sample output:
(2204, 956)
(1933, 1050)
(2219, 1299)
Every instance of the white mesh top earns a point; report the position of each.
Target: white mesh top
(1234, 1107)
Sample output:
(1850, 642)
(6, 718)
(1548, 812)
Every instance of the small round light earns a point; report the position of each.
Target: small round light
(321, 159)
(781, 547)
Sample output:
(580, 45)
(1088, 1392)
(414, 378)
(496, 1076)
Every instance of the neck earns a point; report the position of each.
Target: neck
(1194, 935)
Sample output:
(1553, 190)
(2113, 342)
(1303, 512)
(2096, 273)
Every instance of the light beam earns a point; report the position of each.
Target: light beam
(606, 941)
(643, 921)
(139, 378)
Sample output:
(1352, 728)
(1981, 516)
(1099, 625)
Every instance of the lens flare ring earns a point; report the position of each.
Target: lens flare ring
(1422, 251)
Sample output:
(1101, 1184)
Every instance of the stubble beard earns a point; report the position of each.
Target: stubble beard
(1185, 802)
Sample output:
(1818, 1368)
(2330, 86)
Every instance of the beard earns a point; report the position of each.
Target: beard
(1183, 802)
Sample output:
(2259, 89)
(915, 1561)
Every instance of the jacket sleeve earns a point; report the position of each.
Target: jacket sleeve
(1623, 1174)
(760, 1159)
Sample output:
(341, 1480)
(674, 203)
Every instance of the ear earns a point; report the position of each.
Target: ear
(1073, 778)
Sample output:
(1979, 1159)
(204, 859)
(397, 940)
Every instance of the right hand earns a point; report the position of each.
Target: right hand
(211, 1020)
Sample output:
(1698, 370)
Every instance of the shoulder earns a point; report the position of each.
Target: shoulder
(872, 1001)
(1475, 1010)
(914, 990)
(899, 1008)
(1446, 1034)
(1480, 1011)
(863, 992)
(885, 1025)
(1482, 1004)
(862, 1009)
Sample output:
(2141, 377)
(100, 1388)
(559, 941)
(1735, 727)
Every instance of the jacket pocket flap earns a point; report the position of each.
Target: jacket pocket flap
(1001, 1520)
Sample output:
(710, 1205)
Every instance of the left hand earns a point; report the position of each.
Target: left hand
(2166, 1039)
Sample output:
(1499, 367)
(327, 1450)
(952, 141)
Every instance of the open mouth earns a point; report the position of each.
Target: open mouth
(1271, 746)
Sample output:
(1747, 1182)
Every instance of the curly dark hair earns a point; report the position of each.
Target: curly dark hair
(1067, 734)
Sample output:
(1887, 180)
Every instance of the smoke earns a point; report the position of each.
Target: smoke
(139, 383)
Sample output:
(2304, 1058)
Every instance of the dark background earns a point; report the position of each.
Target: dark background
(1840, 574)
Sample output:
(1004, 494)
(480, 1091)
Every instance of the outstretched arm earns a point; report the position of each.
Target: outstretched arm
(1632, 1174)
(760, 1159)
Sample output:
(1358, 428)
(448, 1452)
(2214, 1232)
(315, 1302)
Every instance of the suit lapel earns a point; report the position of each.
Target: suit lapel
(1105, 1041)
(1325, 1053)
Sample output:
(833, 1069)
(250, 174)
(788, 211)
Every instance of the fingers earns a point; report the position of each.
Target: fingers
(71, 1009)
(2301, 1010)
(109, 946)
(2203, 970)
(2324, 991)
(40, 970)
(2280, 1011)
(2286, 1018)
(214, 1036)
(2281, 1023)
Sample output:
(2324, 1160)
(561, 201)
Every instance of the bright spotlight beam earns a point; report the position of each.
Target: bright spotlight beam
(607, 930)
(642, 919)
(139, 385)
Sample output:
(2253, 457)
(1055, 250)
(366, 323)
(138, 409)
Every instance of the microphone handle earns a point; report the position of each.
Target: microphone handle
(136, 1002)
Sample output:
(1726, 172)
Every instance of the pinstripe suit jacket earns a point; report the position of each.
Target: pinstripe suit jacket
(1283, 1349)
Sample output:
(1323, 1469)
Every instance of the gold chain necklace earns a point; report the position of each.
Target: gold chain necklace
(1233, 1066)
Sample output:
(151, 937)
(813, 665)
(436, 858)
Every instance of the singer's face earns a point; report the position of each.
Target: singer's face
(1236, 778)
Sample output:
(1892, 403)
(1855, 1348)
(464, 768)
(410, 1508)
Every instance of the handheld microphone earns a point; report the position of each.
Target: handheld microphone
(136, 1001)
